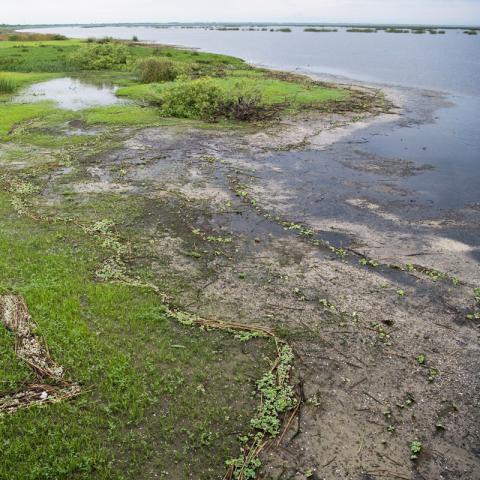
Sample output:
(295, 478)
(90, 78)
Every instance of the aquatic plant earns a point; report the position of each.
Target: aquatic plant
(396, 30)
(320, 30)
(361, 30)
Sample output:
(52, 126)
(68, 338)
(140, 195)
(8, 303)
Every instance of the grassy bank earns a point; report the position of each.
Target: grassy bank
(148, 74)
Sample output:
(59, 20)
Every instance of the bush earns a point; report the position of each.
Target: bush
(7, 85)
(204, 99)
(243, 103)
(102, 56)
(154, 70)
(196, 99)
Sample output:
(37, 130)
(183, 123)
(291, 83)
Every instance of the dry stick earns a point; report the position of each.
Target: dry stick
(329, 462)
(358, 383)
(373, 398)
(289, 423)
(386, 473)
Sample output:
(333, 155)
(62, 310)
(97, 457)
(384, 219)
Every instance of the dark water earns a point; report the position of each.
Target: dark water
(429, 132)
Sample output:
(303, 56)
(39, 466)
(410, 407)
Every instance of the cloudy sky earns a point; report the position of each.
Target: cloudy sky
(392, 11)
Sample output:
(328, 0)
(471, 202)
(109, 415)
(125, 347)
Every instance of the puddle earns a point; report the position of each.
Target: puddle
(70, 94)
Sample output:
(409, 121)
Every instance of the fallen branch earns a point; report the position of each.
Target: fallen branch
(15, 317)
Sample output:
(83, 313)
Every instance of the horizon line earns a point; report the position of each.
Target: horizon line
(240, 23)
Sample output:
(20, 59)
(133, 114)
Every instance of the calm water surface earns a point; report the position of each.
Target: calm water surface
(448, 138)
(69, 93)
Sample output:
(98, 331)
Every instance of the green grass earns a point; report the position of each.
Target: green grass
(36, 56)
(156, 396)
(297, 94)
(12, 114)
(11, 82)
(53, 56)
(13, 372)
(7, 85)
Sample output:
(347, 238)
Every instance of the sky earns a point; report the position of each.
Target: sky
(353, 11)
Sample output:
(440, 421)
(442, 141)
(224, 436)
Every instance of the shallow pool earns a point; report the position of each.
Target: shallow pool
(70, 94)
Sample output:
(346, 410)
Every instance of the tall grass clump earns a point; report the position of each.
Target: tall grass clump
(156, 70)
(100, 56)
(7, 85)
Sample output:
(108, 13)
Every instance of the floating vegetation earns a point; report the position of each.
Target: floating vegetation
(320, 30)
(361, 30)
(396, 30)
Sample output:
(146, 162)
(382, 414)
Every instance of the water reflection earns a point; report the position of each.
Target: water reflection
(70, 94)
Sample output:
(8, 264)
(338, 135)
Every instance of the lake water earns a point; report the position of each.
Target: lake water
(446, 137)
(449, 62)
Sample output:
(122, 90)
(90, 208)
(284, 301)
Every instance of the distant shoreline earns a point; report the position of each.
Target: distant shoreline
(242, 24)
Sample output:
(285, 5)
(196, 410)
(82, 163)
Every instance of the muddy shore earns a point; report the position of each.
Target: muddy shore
(319, 235)
(351, 255)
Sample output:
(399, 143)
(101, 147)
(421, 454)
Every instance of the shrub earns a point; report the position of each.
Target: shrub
(155, 70)
(101, 56)
(243, 103)
(196, 99)
(204, 99)
(7, 85)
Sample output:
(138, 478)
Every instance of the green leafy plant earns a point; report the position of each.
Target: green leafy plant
(421, 359)
(196, 99)
(244, 102)
(100, 56)
(415, 449)
(277, 397)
